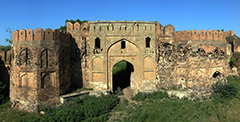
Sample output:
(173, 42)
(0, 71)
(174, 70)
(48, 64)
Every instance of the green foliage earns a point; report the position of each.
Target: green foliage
(2, 95)
(235, 38)
(118, 91)
(89, 109)
(155, 95)
(64, 28)
(5, 48)
(224, 90)
(235, 59)
(9, 31)
(119, 67)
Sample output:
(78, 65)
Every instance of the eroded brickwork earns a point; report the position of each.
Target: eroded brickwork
(40, 69)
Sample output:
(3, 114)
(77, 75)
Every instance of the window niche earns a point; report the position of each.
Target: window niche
(97, 43)
(123, 45)
(148, 39)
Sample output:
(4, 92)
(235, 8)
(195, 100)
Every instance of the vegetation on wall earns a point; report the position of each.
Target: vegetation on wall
(64, 28)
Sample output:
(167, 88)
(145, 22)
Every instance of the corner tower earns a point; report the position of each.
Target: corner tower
(40, 69)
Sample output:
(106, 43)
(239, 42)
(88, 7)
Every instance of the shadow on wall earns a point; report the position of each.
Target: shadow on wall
(4, 77)
(76, 67)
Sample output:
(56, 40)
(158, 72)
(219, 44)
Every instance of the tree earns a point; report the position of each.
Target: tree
(9, 31)
(64, 28)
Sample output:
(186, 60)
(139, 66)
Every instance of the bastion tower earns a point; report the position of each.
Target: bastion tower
(41, 67)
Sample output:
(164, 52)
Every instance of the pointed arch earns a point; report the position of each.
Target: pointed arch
(97, 43)
(148, 39)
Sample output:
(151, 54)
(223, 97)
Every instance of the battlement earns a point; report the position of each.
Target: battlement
(40, 34)
(202, 35)
(77, 26)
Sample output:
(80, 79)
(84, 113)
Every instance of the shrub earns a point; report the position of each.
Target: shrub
(154, 95)
(118, 91)
(2, 93)
(224, 90)
(89, 109)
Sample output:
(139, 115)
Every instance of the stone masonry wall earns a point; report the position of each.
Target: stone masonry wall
(41, 67)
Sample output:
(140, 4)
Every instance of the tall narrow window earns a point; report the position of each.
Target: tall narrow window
(97, 43)
(123, 45)
(148, 42)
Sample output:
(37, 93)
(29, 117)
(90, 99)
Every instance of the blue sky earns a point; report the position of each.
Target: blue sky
(182, 14)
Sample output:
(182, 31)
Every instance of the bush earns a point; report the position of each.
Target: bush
(155, 95)
(225, 90)
(2, 93)
(118, 91)
(89, 109)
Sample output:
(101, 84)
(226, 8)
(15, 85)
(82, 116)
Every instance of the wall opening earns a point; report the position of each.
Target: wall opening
(148, 42)
(216, 74)
(123, 45)
(121, 74)
(97, 43)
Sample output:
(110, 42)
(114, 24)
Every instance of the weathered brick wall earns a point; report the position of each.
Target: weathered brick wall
(40, 70)
(79, 54)
(192, 60)
(202, 35)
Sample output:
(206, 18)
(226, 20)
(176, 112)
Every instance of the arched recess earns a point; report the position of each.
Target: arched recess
(97, 64)
(119, 41)
(148, 39)
(122, 74)
(97, 43)
(47, 58)
(148, 62)
(216, 74)
(129, 54)
(24, 80)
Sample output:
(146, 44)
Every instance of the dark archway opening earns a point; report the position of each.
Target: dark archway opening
(216, 74)
(121, 75)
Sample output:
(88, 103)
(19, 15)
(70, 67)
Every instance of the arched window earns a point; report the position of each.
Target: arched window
(148, 42)
(216, 74)
(123, 45)
(97, 43)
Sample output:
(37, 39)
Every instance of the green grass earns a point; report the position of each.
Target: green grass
(9, 114)
(120, 66)
(157, 107)
(179, 110)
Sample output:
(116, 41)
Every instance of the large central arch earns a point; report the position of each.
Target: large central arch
(122, 75)
(127, 51)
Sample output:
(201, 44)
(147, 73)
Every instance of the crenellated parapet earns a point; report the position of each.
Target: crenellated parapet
(77, 26)
(202, 35)
(40, 34)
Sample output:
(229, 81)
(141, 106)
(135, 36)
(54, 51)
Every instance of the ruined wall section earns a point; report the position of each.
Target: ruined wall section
(79, 53)
(202, 35)
(40, 70)
(5, 66)
(192, 64)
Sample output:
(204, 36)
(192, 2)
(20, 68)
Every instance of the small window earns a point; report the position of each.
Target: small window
(194, 32)
(148, 42)
(83, 38)
(97, 43)
(123, 45)
(100, 28)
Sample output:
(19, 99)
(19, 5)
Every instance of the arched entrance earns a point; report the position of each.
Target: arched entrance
(121, 75)
(119, 52)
